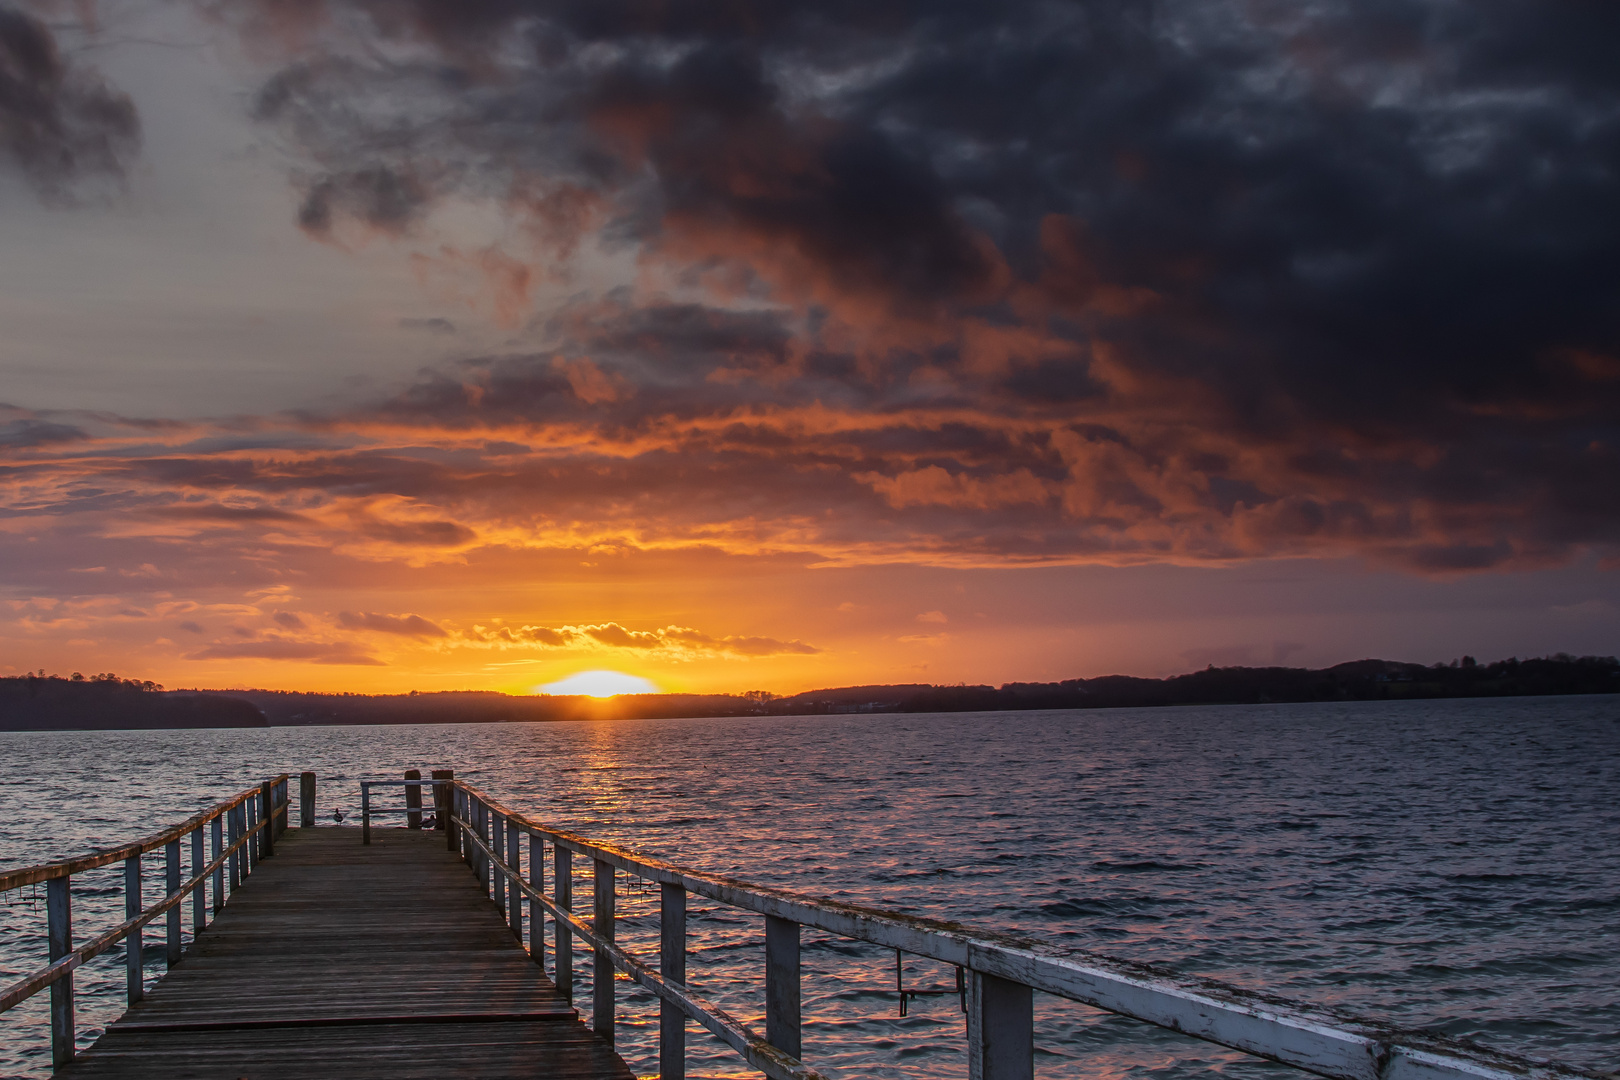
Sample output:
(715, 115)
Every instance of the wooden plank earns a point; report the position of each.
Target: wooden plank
(381, 960)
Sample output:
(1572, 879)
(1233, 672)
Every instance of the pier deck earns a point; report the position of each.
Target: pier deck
(340, 960)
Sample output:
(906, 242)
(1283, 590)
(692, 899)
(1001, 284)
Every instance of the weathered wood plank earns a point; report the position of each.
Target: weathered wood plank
(365, 961)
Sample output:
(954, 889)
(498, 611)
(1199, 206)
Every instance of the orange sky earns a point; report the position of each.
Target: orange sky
(393, 347)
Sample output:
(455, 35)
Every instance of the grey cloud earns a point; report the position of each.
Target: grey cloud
(60, 125)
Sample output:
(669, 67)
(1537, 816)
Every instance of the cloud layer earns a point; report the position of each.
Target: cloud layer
(960, 284)
(1024, 281)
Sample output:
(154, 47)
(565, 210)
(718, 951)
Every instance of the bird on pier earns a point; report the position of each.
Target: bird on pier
(337, 815)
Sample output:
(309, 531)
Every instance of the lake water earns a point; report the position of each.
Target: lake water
(1451, 865)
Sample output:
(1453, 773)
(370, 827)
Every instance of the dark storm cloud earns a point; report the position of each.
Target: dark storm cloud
(59, 124)
(993, 283)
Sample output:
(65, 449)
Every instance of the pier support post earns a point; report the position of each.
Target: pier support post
(497, 844)
(442, 804)
(672, 966)
(216, 831)
(514, 897)
(132, 943)
(537, 914)
(199, 895)
(235, 834)
(413, 800)
(782, 984)
(267, 814)
(250, 850)
(480, 820)
(1001, 1029)
(171, 882)
(306, 800)
(601, 965)
(365, 812)
(563, 867)
(59, 931)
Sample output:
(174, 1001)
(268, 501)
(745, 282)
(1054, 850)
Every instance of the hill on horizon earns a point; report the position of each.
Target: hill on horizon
(52, 703)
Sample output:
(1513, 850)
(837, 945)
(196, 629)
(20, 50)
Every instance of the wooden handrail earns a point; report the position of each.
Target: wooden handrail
(265, 805)
(32, 875)
(1004, 968)
(30, 985)
(755, 1050)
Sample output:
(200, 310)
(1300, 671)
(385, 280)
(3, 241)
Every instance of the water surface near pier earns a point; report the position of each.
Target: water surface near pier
(1453, 864)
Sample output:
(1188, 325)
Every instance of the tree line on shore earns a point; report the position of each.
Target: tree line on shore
(36, 702)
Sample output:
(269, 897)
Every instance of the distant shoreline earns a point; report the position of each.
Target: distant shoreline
(52, 703)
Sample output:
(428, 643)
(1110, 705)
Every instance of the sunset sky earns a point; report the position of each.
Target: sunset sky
(389, 345)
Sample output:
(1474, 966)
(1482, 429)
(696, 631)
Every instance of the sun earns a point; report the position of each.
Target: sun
(601, 684)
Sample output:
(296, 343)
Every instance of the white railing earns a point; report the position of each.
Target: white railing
(1002, 971)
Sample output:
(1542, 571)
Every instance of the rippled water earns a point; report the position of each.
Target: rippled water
(1452, 865)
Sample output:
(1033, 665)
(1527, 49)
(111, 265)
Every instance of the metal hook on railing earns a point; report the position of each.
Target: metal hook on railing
(900, 986)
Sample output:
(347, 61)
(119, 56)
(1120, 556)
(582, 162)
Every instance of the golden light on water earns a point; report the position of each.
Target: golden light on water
(601, 684)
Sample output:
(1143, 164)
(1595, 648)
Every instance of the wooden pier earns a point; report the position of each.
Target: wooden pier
(342, 960)
(359, 953)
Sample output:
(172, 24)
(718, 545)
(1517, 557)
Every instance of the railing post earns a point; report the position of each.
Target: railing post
(537, 914)
(497, 844)
(250, 850)
(514, 896)
(672, 966)
(413, 801)
(267, 814)
(132, 943)
(562, 864)
(782, 984)
(1001, 1028)
(601, 966)
(442, 805)
(199, 895)
(216, 830)
(485, 871)
(59, 931)
(306, 800)
(171, 880)
(365, 812)
(234, 823)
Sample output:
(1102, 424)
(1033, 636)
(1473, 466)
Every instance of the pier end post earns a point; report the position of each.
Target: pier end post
(413, 800)
(306, 800)
(444, 805)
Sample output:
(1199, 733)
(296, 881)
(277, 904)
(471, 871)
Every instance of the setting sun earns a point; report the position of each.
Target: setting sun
(601, 684)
